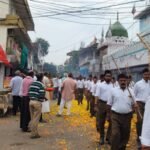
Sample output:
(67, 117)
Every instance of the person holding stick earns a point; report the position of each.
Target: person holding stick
(120, 109)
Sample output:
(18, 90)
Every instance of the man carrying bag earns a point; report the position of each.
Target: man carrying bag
(37, 96)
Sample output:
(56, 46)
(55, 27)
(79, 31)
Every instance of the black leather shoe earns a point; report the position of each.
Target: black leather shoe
(108, 141)
(139, 146)
(101, 142)
(35, 137)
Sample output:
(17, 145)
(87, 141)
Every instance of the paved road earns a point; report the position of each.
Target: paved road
(76, 132)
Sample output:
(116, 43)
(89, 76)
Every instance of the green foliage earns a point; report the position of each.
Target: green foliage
(73, 63)
(44, 45)
(50, 68)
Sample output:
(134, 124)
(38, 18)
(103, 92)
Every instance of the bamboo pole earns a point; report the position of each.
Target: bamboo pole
(137, 110)
(116, 64)
(146, 45)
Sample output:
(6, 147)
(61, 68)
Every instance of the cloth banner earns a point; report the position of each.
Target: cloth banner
(24, 57)
(3, 57)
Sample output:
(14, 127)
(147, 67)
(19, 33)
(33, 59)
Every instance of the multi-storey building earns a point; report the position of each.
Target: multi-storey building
(15, 22)
(133, 56)
(87, 59)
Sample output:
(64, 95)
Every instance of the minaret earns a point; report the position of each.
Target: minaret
(109, 34)
(117, 16)
(102, 35)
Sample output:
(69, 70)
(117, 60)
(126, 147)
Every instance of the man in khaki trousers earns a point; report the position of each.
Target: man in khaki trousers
(37, 96)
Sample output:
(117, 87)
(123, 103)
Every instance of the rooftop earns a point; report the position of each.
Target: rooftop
(143, 13)
(117, 29)
(23, 10)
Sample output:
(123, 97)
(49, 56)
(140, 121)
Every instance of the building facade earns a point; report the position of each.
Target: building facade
(87, 59)
(15, 22)
(133, 56)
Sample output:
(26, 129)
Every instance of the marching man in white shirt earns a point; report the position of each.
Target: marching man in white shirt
(92, 100)
(142, 92)
(100, 81)
(102, 95)
(80, 89)
(88, 93)
(145, 138)
(120, 106)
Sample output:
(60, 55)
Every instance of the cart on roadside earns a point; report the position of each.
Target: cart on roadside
(5, 102)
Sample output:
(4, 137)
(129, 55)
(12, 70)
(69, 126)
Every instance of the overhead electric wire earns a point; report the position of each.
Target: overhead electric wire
(48, 11)
(68, 6)
(59, 5)
(84, 11)
(132, 25)
(98, 8)
(58, 13)
(76, 11)
(62, 3)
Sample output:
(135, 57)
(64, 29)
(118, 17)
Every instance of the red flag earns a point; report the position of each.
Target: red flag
(3, 57)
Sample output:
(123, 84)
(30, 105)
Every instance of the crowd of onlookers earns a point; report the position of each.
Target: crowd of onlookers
(28, 92)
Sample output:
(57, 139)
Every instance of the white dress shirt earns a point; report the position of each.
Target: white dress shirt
(116, 84)
(35, 78)
(15, 85)
(59, 84)
(80, 84)
(120, 100)
(103, 90)
(93, 90)
(131, 85)
(145, 138)
(142, 90)
(86, 84)
(89, 85)
(55, 82)
(97, 84)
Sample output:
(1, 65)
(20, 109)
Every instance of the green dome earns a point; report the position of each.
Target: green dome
(117, 29)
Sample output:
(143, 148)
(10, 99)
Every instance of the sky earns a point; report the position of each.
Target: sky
(65, 36)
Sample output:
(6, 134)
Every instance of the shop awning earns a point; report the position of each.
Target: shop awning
(3, 57)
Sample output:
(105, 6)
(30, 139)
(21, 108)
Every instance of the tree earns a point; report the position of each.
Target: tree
(72, 64)
(44, 45)
(50, 68)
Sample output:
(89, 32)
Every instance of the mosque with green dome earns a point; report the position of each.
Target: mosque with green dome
(127, 54)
